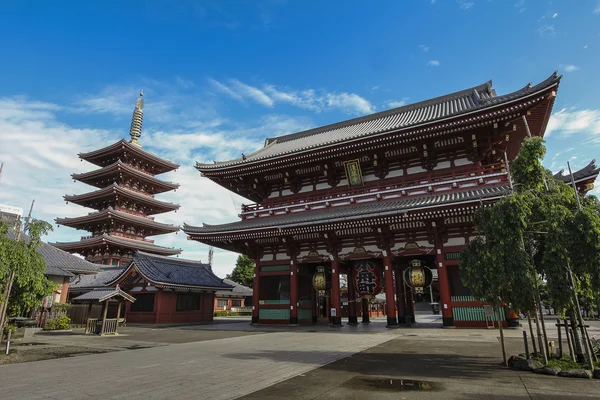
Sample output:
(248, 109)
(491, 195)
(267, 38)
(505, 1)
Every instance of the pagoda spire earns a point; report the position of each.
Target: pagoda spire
(136, 120)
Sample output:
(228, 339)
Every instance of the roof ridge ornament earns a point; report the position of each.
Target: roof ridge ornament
(136, 120)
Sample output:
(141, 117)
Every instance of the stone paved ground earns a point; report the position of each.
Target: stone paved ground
(215, 369)
(225, 361)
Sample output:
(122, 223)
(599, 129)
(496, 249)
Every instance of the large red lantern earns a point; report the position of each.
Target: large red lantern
(367, 278)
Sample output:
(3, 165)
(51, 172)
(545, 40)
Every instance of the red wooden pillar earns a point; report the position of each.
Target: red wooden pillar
(352, 319)
(158, 299)
(365, 311)
(400, 296)
(443, 282)
(336, 320)
(255, 292)
(390, 306)
(293, 293)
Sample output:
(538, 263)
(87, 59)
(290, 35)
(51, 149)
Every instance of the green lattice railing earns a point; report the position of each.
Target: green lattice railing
(462, 298)
(274, 301)
(474, 314)
(273, 313)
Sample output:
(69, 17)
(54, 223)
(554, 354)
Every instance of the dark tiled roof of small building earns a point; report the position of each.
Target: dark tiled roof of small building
(177, 272)
(361, 211)
(57, 260)
(103, 294)
(436, 109)
(95, 281)
(57, 271)
(238, 290)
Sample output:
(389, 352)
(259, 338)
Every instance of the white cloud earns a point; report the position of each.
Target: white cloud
(568, 122)
(520, 6)
(464, 4)
(424, 48)
(554, 15)
(571, 68)
(433, 63)
(310, 99)
(394, 104)
(254, 93)
(39, 150)
(546, 31)
(597, 9)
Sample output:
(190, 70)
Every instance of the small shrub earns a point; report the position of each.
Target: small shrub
(224, 313)
(56, 324)
(9, 328)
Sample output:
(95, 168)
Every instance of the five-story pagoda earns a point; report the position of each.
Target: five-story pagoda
(124, 202)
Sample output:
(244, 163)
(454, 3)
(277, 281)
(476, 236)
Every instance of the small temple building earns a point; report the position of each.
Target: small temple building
(387, 199)
(164, 289)
(124, 203)
(235, 300)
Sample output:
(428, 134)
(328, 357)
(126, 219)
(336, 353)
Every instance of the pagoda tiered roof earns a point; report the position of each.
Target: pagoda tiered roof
(111, 173)
(410, 121)
(121, 150)
(87, 221)
(111, 192)
(101, 241)
(124, 200)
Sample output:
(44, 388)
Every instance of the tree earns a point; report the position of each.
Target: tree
(23, 283)
(537, 233)
(243, 273)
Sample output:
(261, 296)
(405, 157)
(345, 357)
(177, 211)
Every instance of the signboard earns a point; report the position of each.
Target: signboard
(333, 312)
(353, 172)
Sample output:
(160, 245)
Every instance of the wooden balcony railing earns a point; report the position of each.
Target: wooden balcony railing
(485, 175)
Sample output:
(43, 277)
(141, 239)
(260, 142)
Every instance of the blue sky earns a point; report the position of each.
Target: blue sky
(220, 76)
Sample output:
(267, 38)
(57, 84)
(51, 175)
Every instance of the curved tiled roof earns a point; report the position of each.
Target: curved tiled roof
(113, 188)
(359, 211)
(110, 212)
(99, 280)
(132, 148)
(119, 165)
(118, 241)
(177, 272)
(587, 172)
(439, 108)
(238, 290)
(103, 294)
(59, 262)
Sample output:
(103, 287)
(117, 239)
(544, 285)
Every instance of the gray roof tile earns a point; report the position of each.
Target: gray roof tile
(451, 105)
(99, 280)
(56, 258)
(103, 294)
(238, 290)
(174, 271)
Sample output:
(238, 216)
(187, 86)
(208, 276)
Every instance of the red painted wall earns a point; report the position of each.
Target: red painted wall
(165, 310)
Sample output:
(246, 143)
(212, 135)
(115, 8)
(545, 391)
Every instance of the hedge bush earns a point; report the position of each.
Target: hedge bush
(9, 328)
(57, 324)
(226, 314)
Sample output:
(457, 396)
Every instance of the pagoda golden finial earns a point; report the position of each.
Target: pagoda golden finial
(136, 120)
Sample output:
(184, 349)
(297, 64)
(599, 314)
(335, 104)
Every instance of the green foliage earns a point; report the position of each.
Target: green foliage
(564, 363)
(9, 328)
(531, 238)
(30, 285)
(226, 314)
(243, 273)
(58, 324)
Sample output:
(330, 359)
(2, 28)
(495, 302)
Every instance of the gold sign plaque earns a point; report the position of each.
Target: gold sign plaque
(353, 172)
